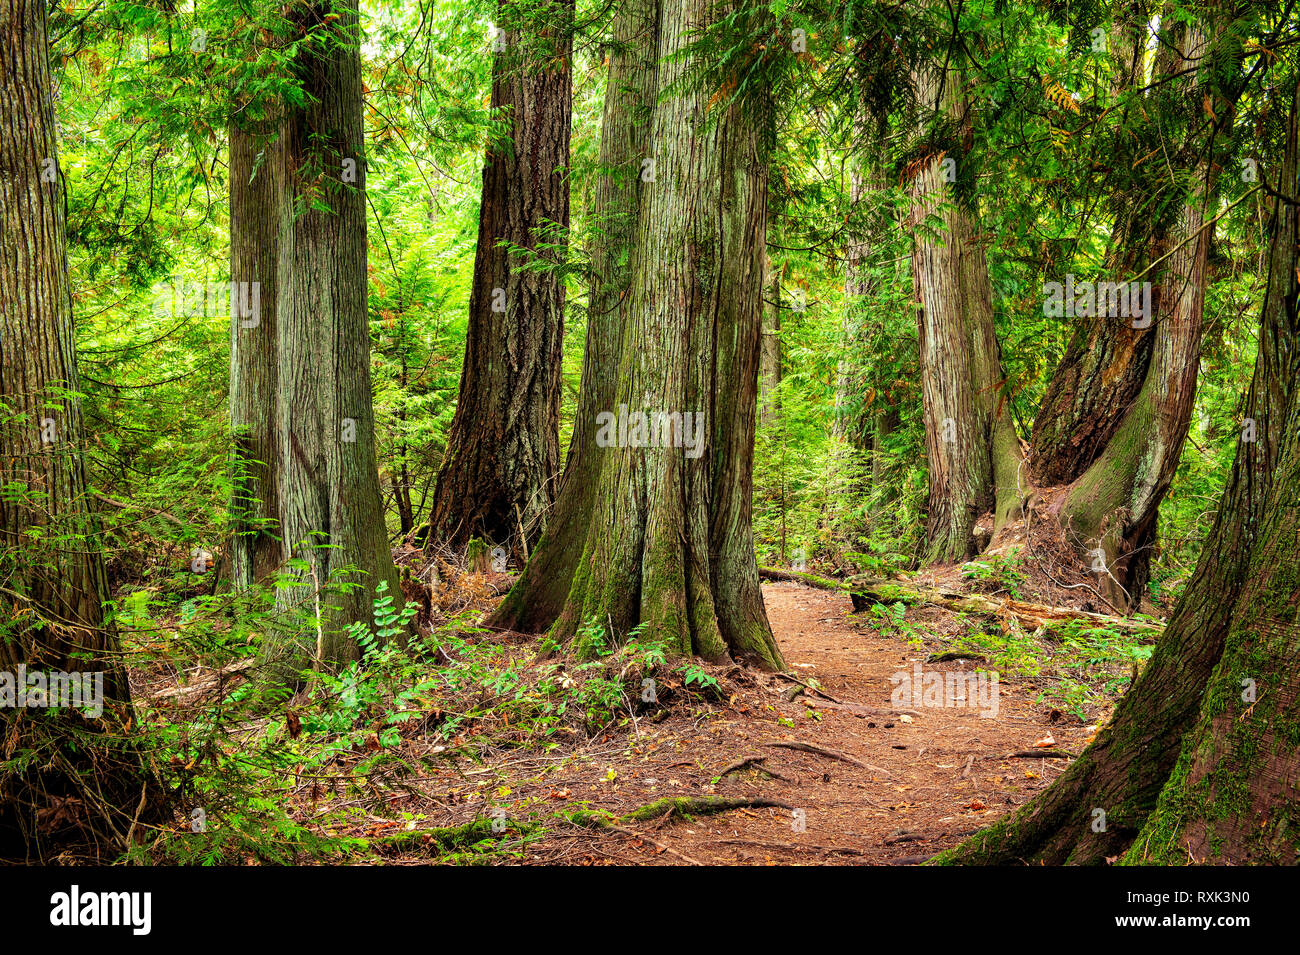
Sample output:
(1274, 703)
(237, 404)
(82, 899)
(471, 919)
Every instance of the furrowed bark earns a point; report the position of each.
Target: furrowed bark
(971, 445)
(1105, 363)
(331, 516)
(257, 190)
(668, 548)
(770, 366)
(53, 587)
(1112, 506)
(498, 478)
(537, 598)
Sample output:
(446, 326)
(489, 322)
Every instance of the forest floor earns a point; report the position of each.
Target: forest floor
(491, 750)
(836, 776)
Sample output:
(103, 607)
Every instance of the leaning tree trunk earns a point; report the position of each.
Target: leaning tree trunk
(1235, 622)
(1106, 360)
(1231, 796)
(256, 192)
(537, 598)
(331, 516)
(971, 444)
(669, 547)
(52, 581)
(498, 478)
(1112, 506)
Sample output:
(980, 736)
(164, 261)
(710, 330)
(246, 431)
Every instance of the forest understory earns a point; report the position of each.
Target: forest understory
(727, 765)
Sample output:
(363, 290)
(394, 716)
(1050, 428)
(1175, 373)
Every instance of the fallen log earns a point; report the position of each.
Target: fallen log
(865, 591)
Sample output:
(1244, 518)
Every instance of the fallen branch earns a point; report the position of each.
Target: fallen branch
(217, 679)
(806, 686)
(865, 591)
(661, 846)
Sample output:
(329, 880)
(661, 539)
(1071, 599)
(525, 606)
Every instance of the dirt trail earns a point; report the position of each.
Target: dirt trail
(923, 785)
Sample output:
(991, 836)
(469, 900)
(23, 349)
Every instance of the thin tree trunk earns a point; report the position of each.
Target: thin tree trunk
(331, 516)
(1234, 622)
(537, 598)
(866, 177)
(503, 449)
(770, 365)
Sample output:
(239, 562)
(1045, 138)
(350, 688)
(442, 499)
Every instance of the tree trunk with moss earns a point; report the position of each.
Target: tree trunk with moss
(669, 547)
(1188, 769)
(1106, 360)
(497, 481)
(54, 587)
(971, 444)
(1133, 440)
(538, 596)
(331, 516)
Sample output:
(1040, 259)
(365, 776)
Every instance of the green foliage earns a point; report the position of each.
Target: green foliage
(1002, 572)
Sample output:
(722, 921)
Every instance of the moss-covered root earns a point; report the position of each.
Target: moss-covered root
(679, 805)
(451, 838)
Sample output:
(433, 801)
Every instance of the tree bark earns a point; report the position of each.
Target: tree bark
(1182, 737)
(1112, 505)
(537, 598)
(257, 190)
(497, 481)
(866, 176)
(328, 483)
(1106, 361)
(971, 444)
(669, 547)
(53, 587)
(769, 375)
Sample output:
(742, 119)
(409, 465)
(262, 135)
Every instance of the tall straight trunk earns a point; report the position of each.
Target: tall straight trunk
(538, 596)
(52, 616)
(257, 190)
(1221, 770)
(769, 374)
(971, 444)
(1112, 505)
(669, 545)
(328, 483)
(866, 177)
(498, 478)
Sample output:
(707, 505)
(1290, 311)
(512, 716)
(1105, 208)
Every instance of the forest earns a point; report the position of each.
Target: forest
(649, 432)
